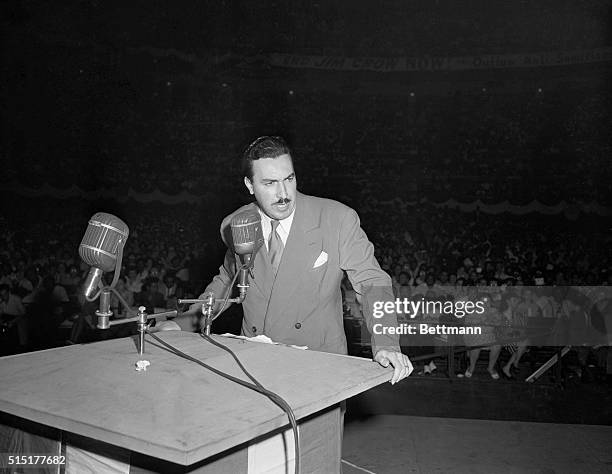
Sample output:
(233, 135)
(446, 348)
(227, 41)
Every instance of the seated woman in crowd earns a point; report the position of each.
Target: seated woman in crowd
(520, 309)
(487, 339)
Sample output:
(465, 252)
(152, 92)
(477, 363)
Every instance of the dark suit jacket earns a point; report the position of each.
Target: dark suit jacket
(303, 304)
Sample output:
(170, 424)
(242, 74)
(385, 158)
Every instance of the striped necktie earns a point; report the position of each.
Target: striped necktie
(275, 246)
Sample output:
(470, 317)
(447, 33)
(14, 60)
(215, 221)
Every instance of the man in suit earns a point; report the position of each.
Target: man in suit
(295, 295)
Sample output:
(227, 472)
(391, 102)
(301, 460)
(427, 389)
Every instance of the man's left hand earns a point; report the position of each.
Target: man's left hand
(400, 362)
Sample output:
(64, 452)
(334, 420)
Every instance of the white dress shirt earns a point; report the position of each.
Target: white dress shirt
(284, 226)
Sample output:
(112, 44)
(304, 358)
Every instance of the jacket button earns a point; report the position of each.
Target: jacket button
(254, 329)
(298, 325)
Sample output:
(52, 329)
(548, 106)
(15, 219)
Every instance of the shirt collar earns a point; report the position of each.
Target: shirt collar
(284, 224)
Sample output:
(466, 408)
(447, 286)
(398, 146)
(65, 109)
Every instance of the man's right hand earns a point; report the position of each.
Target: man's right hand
(190, 320)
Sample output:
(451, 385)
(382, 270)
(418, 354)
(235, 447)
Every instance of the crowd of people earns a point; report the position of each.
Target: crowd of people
(40, 268)
(541, 275)
(171, 252)
(396, 155)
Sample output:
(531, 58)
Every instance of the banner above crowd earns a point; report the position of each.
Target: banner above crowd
(571, 210)
(442, 63)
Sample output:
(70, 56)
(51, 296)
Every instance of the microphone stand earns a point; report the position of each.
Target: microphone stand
(209, 302)
(141, 317)
(104, 311)
(207, 306)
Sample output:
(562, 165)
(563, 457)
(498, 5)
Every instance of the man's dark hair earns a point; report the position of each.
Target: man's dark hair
(263, 147)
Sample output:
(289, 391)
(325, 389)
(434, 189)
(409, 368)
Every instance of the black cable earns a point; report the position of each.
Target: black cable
(256, 386)
(285, 406)
(228, 293)
(225, 348)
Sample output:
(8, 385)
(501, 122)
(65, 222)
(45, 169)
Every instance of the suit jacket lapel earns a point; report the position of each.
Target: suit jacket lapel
(303, 246)
(263, 275)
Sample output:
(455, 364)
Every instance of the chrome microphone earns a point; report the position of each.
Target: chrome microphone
(247, 235)
(247, 239)
(103, 241)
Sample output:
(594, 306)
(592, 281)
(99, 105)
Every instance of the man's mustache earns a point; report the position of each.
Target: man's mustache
(283, 201)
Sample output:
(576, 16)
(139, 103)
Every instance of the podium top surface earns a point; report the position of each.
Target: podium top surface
(176, 410)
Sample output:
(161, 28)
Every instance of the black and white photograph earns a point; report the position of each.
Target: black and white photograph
(277, 237)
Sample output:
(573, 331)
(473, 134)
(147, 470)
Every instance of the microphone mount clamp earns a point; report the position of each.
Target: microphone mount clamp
(208, 305)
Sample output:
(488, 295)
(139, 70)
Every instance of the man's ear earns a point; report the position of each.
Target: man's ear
(248, 184)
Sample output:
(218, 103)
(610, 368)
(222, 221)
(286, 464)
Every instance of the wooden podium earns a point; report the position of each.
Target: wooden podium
(90, 404)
